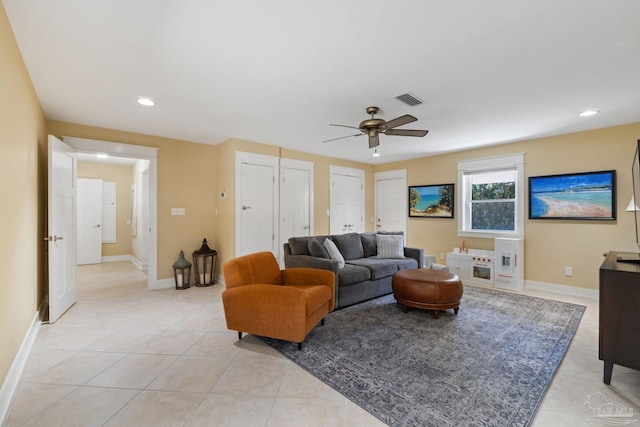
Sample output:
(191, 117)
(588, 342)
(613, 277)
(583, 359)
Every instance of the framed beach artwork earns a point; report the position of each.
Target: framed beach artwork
(431, 201)
(588, 195)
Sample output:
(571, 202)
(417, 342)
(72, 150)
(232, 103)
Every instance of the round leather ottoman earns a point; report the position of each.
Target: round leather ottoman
(427, 289)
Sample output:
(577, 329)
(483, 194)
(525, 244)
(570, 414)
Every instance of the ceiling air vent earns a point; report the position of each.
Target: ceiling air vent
(409, 99)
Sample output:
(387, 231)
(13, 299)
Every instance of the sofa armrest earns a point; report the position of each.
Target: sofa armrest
(415, 253)
(308, 261)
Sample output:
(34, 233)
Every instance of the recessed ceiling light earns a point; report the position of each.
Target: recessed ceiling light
(588, 113)
(145, 101)
(102, 156)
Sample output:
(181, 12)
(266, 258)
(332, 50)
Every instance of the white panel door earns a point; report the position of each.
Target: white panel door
(391, 201)
(63, 292)
(256, 204)
(296, 199)
(347, 201)
(89, 221)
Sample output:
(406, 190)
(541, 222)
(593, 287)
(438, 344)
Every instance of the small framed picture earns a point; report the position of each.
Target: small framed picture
(431, 201)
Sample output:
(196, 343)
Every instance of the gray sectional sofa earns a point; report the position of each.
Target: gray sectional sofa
(365, 275)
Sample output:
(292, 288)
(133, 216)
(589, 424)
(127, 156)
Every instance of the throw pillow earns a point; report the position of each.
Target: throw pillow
(334, 253)
(316, 249)
(390, 246)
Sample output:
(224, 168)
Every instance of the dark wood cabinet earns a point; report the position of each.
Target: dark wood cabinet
(619, 338)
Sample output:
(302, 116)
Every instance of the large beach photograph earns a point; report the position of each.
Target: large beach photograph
(588, 195)
(431, 201)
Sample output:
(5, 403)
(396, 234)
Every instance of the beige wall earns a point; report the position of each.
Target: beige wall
(550, 245)
(123, 177)
(22, 185)
(186, 179)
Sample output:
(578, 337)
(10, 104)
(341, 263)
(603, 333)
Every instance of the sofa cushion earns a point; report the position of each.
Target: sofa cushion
(350, 245)
(369, 244)
(316, 248)
(390, 246)
(353, 274)
(334, 253)
(379, 268)
(299, 245)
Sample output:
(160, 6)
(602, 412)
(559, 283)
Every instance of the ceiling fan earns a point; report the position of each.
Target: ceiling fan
(373, 127)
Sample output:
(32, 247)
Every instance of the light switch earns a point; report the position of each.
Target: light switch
(177, 211)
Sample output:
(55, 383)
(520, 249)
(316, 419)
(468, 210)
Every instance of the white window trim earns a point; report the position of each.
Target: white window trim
(488, 164)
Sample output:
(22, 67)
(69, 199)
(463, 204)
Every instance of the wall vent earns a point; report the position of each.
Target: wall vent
(409, 99)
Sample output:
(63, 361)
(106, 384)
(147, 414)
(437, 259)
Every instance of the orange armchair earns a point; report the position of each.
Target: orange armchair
(263, 300)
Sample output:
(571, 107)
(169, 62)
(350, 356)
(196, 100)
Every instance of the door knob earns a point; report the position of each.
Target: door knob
(53, 239)
(244, 208)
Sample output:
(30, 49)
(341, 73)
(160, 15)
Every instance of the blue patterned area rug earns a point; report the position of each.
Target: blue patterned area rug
(488, 366)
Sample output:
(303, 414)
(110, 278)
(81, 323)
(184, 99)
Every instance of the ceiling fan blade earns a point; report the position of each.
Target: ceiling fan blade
(374, 140)
(345, 126)
(402, 120)
(342, 137)
(406, 132)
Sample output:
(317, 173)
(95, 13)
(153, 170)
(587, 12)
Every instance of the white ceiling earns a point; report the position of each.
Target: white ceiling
(280, 71)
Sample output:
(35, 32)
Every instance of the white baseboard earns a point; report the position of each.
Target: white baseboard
(562, 289)
(116, 258)
(12, 380)
(163, 284)
(135, 261)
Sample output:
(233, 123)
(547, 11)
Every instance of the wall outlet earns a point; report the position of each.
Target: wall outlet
(178, 211)
(442, 256)
(568, 271)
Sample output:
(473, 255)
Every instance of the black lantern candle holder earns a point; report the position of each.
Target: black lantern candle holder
(182, 272)
(204, 261)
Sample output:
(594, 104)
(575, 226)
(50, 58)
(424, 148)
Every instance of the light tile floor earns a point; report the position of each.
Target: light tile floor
(127, 356)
